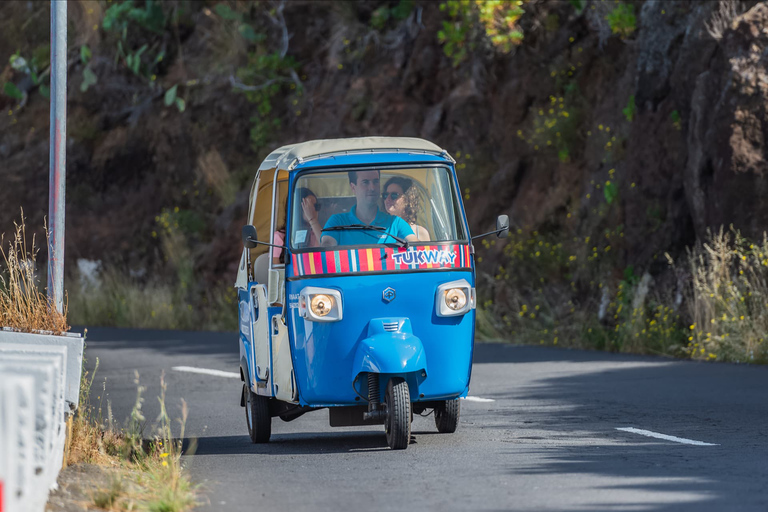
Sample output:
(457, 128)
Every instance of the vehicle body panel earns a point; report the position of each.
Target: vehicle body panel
(325, 353)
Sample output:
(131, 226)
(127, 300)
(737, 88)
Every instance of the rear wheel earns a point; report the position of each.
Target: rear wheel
(398, 422)
(447, 417)
(257, 416)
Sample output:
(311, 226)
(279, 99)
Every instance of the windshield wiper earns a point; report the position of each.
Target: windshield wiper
(402, 242)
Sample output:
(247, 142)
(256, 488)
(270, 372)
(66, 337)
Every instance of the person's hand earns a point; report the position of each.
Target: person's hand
(310, 213)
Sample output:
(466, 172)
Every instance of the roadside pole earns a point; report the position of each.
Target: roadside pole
(58, 154)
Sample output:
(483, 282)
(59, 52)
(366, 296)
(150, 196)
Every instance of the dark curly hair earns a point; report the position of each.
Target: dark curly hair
(411, 195)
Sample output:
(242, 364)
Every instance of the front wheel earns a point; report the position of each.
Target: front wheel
(447, 417)
(398, 422)
(257, 416)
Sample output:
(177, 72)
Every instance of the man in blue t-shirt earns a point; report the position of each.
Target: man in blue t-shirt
(367, 188)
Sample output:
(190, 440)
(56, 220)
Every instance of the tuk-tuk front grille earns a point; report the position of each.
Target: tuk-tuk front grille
(391, 326)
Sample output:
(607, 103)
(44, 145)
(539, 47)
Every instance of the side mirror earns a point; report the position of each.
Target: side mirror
(502, 226)
(249, 236)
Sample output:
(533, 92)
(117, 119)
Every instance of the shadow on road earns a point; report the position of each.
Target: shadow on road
(566, 417)
(294, 444)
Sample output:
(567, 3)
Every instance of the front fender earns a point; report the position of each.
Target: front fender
(389, 350)
(390, 353)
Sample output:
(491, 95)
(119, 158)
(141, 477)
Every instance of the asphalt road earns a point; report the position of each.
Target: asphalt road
(547, 441)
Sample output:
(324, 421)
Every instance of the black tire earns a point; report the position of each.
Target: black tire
(447, 417)
(257, 416)
(398, 422)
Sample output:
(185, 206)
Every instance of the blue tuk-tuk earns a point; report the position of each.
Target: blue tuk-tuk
(357, 286)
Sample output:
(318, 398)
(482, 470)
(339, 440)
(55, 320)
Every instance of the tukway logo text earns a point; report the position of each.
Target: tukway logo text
(413, 256)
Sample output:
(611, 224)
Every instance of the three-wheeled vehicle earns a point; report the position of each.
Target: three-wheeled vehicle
(356, 286)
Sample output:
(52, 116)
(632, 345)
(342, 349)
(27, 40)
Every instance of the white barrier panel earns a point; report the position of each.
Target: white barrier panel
(17, 447)
(47, 367)
(48, 364)
(39, 375)
(74, 343)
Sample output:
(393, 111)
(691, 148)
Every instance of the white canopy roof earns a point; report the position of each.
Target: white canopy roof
(287, 157)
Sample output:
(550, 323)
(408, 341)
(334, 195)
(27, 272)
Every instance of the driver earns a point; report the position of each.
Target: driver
(366, 186)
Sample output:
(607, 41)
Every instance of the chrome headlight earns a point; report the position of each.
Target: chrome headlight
(454, 298)
(320, 304)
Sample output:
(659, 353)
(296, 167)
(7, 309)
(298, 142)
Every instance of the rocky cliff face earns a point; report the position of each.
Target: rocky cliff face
(663, 134)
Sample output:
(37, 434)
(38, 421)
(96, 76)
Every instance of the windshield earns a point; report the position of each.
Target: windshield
(368, 207)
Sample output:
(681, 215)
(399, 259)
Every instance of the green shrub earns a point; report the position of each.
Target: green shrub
(555, 126)
(630, 110)
(384, 14)
(622, 20)
(471, 21)
(677, 121)
(264, 78)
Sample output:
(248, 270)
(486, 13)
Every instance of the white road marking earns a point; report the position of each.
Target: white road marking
(206, 371)
(478, 399)
(648, 433)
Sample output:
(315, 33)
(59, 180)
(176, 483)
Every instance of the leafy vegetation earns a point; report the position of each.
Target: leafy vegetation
(579, 5)
(674, 116)
(562, 289)
(268, 74)
(264, 78)
(556, 125)
(149, 22)
(622, 20)
(472, 21)
(385, 14)
(124, 17)
(36, 69)
(170, 98)
(630, 111)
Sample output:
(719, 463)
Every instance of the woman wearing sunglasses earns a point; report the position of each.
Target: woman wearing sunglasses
(401, 198)
(310, 225)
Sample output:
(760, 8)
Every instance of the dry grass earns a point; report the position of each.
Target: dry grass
(728, 298)
(92, 441)
(148, 474)
(118, 300)
(164, 475)
(22, 305)
(212, 169)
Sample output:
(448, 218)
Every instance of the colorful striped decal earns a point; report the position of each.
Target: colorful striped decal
(381, 259)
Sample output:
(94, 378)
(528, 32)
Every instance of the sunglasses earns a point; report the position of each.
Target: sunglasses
(392, 195)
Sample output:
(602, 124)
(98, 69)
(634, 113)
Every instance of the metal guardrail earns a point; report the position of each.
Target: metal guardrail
(39, 388)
